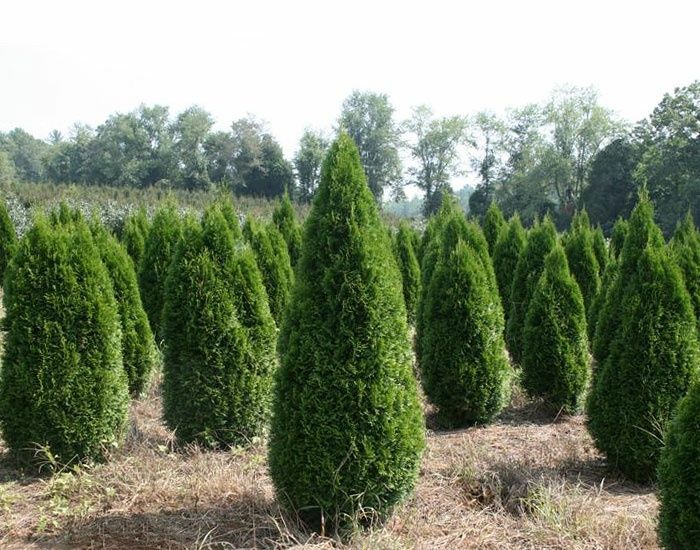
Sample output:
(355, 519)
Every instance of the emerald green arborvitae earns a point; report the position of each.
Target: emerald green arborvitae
(581, 257)
(493, 223)
(600, 249)
(509, 246)
(347, 431)
(408, 266)
(619, 234)
(685, 247)
(134, 234)
(219, 337)
(272, 256)
(555, 355)
(8, 239)
(651, 364)
(162, 239)
(62, 384)
(608, 281)
(679, 476)
(641, 231)
(286, 221)
(540, 242)
(139, 352)
(228, 210)
(464, 365)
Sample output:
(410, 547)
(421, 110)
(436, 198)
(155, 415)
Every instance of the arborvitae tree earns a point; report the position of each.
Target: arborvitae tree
(600, 249)
(617, 239)
(582, 260)
(8, 239)
(228, 210)
(272, 257)
(685, 246)
(410, 271)
(139, 352)
(607, 282)
(134, 234)
(347, 431)
(540, 242)
(555, 355)
(162, 239)
(62, 385)
(509, 246)
(286, 221)
(642, 231)
(652, 362)
(679, 476)
(464, 366)
(493, 223)
(64, 215)
(219, 339)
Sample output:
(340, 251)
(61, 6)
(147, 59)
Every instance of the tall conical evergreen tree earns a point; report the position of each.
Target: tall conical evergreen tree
(642, 231)
(408, 266)
(162, 239)
(679, 476)
(509, 246)
(464, 365)
(540, 242)
(285, 220)
(139, 352)
(582, 259)
(493, 223)
(134, 234)
(228, 210)
(555, 355)
(8, 239)
(272, 257)
(617, 239)
(652, 362)
(600, 249)
(62, 384)
(219, 339)
(685, 247)
(347, 431)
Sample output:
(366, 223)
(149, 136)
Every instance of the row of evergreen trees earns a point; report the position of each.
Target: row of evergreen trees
(346, 427)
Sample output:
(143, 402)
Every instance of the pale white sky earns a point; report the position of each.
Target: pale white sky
(293, 63)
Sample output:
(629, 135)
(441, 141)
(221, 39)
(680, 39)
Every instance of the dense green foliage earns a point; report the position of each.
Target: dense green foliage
(139, 352)
(685, 246)
(581, 256)
(134, 233)
(651, 363)
(286, 222)
(506, 253)
(555, 355)
(679, 476)
(8, 239)
(540, 242)
(601, 250)
(347, 431)
(492, 225)
(409, 268)
(219, 338)
(228, 210)
(606, 283)
(62, 385)
(642, 232)
(162, 239)
(272, 256)
(464, 366)
(618, 236)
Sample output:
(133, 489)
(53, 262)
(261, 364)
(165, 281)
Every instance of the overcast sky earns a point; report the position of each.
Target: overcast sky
(292, 63)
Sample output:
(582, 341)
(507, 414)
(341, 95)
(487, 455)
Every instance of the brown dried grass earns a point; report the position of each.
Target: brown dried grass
(523, 482)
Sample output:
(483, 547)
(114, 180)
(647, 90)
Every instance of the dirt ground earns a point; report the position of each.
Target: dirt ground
(522, 482)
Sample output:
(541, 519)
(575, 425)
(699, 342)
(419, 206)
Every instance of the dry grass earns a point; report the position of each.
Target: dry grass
(523, 482)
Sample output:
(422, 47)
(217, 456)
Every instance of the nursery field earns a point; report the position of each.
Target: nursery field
(522, 482)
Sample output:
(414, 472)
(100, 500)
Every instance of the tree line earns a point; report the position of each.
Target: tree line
(565, 154)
